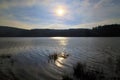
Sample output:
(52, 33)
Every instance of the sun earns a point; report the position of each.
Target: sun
(60, 11)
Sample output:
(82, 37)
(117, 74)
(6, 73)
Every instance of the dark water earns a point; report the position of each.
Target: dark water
(28, 57)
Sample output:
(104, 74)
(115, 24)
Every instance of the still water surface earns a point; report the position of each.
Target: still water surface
(30, 59)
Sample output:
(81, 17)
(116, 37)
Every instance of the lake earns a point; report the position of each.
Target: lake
(29, 58)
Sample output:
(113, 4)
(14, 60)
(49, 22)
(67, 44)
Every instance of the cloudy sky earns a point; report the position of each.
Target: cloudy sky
(59, 14)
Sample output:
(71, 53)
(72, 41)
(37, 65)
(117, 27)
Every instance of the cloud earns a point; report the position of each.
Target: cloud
(95, 24)
(98, 10)
(20, 24)
(103, 3)
(16, 24)
(6, 4)
(31, 14)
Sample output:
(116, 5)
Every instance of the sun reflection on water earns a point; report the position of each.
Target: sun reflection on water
(59, 61)
(58, 38)
(62, 56)
(61, 40)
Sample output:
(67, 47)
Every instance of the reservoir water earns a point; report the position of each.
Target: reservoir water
(28, 58)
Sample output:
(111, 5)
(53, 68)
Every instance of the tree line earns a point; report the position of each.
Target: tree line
(112, 30)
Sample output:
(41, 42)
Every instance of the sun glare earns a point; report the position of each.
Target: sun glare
(60, 11)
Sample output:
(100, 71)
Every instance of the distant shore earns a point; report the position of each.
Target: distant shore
(112, 30)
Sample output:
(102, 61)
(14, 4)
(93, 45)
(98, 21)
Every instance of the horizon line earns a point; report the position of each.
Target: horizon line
(54, 28)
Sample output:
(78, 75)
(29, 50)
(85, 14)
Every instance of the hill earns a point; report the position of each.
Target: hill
(100, 31)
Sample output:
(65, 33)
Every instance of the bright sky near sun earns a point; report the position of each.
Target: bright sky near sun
(58, 14)
(60, 11)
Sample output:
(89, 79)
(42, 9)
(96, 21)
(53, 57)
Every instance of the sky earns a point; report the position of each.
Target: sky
(58, 14)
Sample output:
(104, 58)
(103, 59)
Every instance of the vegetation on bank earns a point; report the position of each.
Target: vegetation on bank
(81, 72)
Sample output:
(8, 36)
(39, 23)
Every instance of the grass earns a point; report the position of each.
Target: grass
(80, 72)
(55, 56)
(66, 77)
(5, 56)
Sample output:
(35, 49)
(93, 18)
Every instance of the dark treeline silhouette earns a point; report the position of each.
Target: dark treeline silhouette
(112, 30)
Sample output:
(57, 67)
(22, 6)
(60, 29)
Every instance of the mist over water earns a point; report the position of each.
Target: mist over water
(29, 57)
